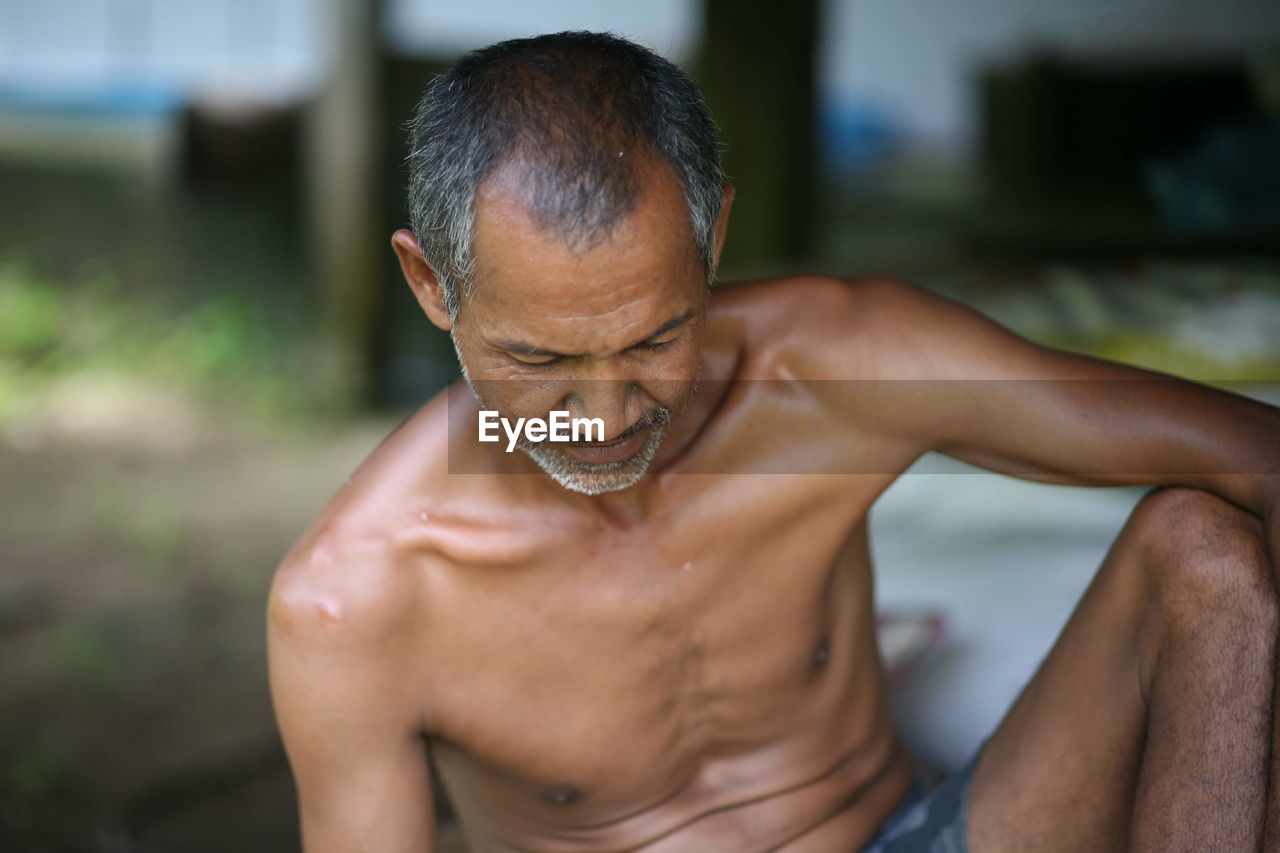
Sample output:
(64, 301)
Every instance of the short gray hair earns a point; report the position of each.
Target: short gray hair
(575, 110)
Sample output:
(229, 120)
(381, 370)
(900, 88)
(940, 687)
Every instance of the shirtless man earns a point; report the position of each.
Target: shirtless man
(665, 641)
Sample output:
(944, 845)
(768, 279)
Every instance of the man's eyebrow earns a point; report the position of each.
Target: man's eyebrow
(529, 350)
(678, 320)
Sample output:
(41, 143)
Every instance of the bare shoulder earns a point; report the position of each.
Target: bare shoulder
(805, 295)
(337, 584)
(353, 583)
(340, 632)
(828, 327)
(351, 677)
(365, 568)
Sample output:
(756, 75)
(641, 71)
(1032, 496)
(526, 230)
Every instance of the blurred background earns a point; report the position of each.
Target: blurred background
(202, 329)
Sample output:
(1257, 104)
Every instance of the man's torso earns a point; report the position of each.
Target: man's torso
(705, 677)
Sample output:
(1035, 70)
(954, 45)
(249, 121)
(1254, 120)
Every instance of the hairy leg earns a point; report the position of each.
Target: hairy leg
(1271, 830)
(1148, 725)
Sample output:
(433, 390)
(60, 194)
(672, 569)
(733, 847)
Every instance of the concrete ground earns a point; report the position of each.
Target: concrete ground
(1006, 561)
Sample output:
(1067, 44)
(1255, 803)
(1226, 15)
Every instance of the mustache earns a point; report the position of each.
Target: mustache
(659, 416)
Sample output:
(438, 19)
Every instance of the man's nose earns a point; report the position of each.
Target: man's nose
(613, 399)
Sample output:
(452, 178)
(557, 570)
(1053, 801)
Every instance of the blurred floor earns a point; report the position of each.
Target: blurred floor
(131, 623)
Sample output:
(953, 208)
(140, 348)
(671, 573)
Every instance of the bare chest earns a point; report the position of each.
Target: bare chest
(720, 647)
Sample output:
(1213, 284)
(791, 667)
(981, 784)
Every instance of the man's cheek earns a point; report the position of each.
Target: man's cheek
(670, 393)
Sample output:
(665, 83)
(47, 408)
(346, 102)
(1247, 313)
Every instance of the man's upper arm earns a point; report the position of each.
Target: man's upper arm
(954, 381)
(345, 712)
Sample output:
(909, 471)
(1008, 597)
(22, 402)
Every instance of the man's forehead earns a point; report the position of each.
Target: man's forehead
(523, 271)
(588, 315)
(507, 222)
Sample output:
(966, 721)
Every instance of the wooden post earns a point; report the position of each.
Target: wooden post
(344, 180)
(757, 71)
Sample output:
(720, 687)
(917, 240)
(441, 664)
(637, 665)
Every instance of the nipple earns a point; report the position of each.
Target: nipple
(820, 654)
(562, 795)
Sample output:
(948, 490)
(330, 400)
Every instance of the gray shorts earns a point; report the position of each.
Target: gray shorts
(929, 820)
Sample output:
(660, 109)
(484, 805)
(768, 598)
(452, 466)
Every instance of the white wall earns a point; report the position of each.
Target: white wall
(279, 48)
(912, 58)
(915, 58)
(670, 27)
(270, 47)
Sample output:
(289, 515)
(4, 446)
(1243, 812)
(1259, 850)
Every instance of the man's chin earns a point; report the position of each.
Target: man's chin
(596, 484)
(596, 478)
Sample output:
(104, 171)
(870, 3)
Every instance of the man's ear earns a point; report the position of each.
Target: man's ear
(422, 279)
(722, 222)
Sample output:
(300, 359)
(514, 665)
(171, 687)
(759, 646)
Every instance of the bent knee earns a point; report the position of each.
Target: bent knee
(1205, 553)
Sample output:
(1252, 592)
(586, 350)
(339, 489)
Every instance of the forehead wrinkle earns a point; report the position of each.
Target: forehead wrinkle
(550, 273)
(523, 342)
(630, 304)
(548, 300)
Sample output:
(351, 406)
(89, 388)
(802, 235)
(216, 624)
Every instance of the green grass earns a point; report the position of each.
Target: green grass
(35, 771)
(89, 656)
(226, 348)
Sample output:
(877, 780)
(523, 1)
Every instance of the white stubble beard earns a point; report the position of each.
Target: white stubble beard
(590, 478)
